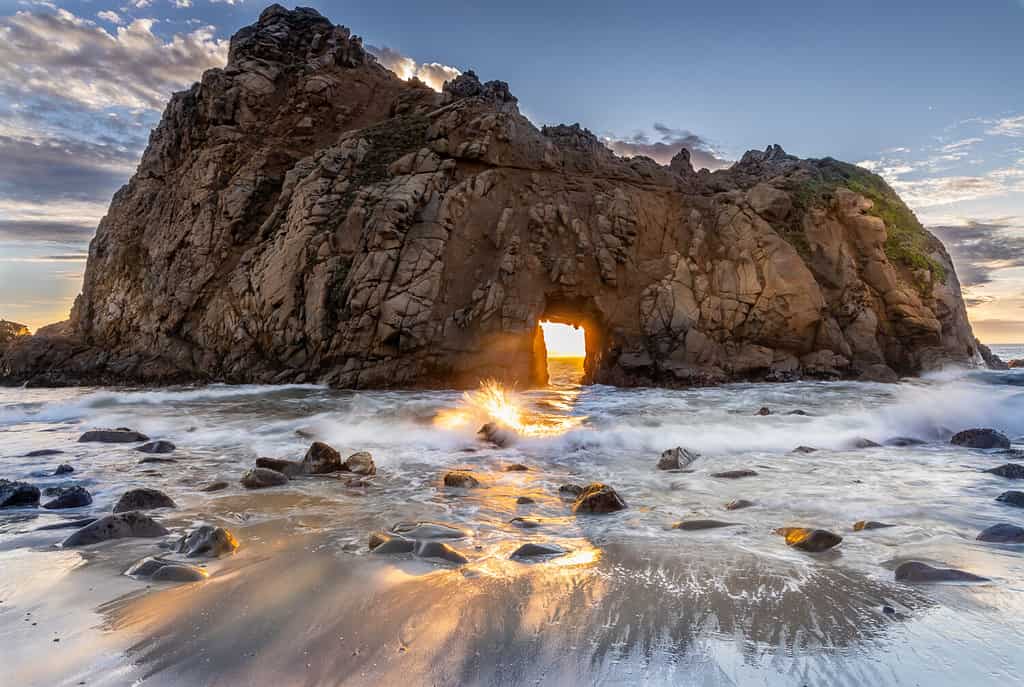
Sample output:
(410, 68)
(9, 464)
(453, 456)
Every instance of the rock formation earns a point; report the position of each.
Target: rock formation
(304, 215)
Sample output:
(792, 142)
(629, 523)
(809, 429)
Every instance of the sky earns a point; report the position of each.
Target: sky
(928, 94)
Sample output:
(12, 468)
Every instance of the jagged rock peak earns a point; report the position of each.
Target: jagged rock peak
(680, 163)
(574, 137)
(468, 85)
(296, 36)
(772, 154)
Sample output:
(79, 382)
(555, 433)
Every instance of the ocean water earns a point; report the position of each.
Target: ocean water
(634, 602)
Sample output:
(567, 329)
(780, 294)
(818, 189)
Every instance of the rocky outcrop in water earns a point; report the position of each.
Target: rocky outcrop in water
(303, 214)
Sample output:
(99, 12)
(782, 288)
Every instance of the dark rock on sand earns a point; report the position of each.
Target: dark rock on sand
(121, 435)
(143, 499)
(734, 474)
(810, 540)
(697, 525)
(980, 438)
(598, 498)
(215, 486)
(321, 459)
(676, 458)
(290, 468)
(207, 540)
(532, 550)
(763, 410)
(1012, 498)
(914, 571)
(904, 441)
(69, 497)
(524, 523)
(64, 469)
(495, 434)
(162, 570)
(14, 494)
(515, 467)
(67, 524)
(861, 442)
(436, 549)
(1008, 470)
(862, 525)
(461, 479)
(524, 500)
(382, 542)
(572, 490)
(804, 449)
(149, 460)
(738, 504)
(119, 526)
(1003, 533)
(428, 530)
(360, 463)
(261, 478)
(43, 452)
(160, 446)
(798, 412)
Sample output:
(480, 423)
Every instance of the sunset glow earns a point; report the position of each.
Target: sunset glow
(563, 340)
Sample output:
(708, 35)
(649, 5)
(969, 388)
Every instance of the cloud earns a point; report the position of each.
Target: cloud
(35, 230)
(1007, 126)
(964, 143)
(666, 142)
(62, 56)
(434, 74)
(112, 17)
(981, 248)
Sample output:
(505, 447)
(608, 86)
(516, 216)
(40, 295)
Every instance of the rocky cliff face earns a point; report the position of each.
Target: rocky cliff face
(303, 214)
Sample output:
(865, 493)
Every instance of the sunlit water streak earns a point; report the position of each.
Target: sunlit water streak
(632, 602)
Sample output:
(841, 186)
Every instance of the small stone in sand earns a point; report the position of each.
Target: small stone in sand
(15, 494)
(63, 469)
(915, 571)
(533, 550)
(734, 474)
(697, 525)
(861, 525)
(143, 499)
(262, 478)
(1008, 470)
(1012, 498)
(69, 497)
(676, 458)
(598, 498)
(119, 526)
(980, 438)
(215, 486)
(738, 504)
(810, 540)
(1003, 533)
(524, 500)
(160, 446)
(460, 479)
(121, 435)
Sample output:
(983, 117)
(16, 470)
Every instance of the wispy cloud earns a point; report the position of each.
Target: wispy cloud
(665, 143)
(434, 74)
(983, 248)
(1008, 126)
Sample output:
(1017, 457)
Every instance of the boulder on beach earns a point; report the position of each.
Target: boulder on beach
(16, 494)
(514, 467)
(383, 542)
(734, 474)
(64, 469)
(862, 525)
(524, 500)
(217, 485)
(462, 479)
(118, 526)
(121, 435)
(738, 504)
(524, 523)
(598, 498)
(676, 458)
(68, 524)
(1012, 498)
(207, 540)
(902, 442)
(915, 571)
(321, 459)
(980, 438)
(1008, 470)
(428, 530)
(1003, 533)
(763, 411)
(810, 540)
(290, 468)
(261, 478)
(160, 446)
(861, 442)
(360, 463)
(534, 550)
(143, 499)
(440, 550)
(163, 570)
(698, 525)
(804, 449)
(69, 497)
